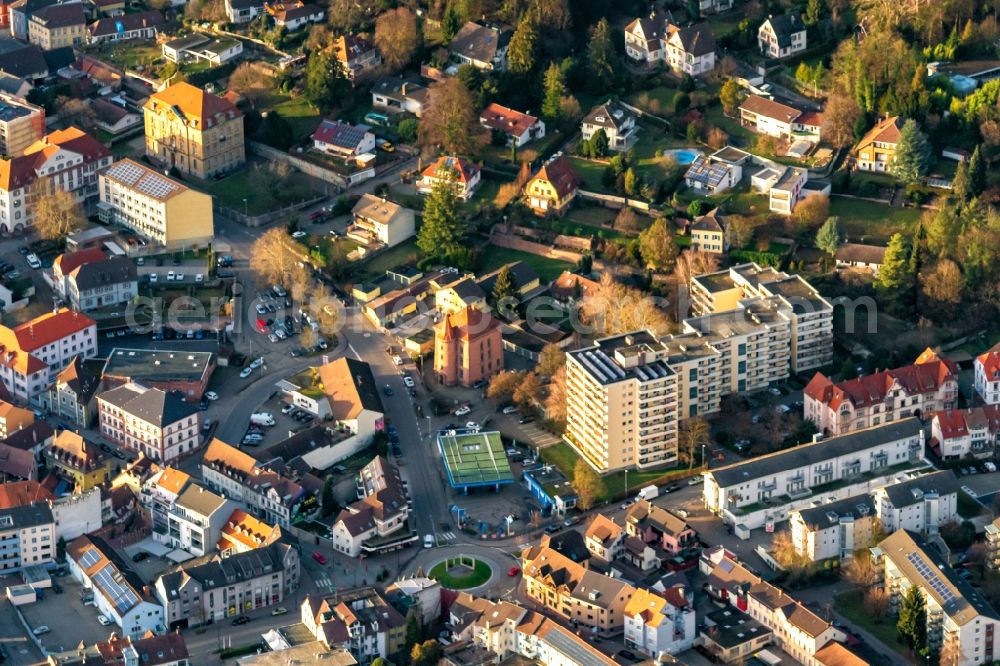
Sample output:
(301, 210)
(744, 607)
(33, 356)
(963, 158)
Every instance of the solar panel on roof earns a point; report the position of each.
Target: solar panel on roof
(89, 558)
(110, 581)
(932, 578)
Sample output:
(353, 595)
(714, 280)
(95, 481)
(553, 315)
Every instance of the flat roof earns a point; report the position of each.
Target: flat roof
(474, 458)
(157, 365)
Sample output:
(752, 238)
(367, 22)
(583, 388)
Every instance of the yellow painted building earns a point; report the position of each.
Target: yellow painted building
(195, 131)
(877, 149)
(78, 460)
(57, 26)
(553, 188)
(159, 208)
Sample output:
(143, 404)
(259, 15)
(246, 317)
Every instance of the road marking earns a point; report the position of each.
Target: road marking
(448, 536)
(324, 582)
(354, 351)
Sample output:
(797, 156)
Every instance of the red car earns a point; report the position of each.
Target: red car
(513, 571)
(318, 556)
(262, 326)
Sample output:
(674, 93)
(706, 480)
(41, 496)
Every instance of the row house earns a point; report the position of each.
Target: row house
(140, 25)
(27, 536)
(94, 281)
(929, 385)
(959, 619)
(357, 620)
(961, 433)
(209, 589)
(161, 424)
(689, 50)
(801, 471)
(33, 353)
(379, 514)
(604, 538)
(65, 160)
(986, 372)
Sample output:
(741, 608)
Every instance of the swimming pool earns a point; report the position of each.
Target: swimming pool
(684, 156)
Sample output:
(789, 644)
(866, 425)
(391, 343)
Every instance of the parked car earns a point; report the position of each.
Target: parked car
(281, 610)
(246, 372)
(242, 619)
(408, 381)
(39, 630)
(513, 571)
(428, 541)
(103, 621)
(212, 395)
(510, 409)
(319, 557)
(35, 263)
(140, 556)
(463, 410)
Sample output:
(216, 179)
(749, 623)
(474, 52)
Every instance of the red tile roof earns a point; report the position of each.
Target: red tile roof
(885, 131)
(991, 363)
(955, 423)
(506, 120)
(20, 493)
(20, 171)
(559, 172)
(67, 263)
(47, 328)
(762, 106)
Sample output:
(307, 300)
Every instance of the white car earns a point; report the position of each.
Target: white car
(153, 277)
(428, 541)
(280, 332)
(287, 409)
(272, 337)
(299, 234)
(211, 395)
(408, 382)
(774, 391)
(103, 621)
(170, 276)
(463, 410)
(257, 362)
(35, 263)
(510, 409)
(179, 277)
(246, 373)
(261, 310)
(38, 631)
(397, 359)
(472, 425)
(199, 277)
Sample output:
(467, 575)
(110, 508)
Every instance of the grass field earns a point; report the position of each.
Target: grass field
(458, 581)
(851, 606)
(716, 118)
(590, 173)
(658, 101)
(547, 269)
(233, 190)
(300, 114)
(564, 457)
(867, 221)
(405, 253)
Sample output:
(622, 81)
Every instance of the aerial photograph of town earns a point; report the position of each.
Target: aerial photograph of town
(482, 332)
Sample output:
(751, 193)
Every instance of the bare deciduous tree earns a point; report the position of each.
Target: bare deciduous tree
(251, 81)
(278, 260)
(396, 37)
(57, 212)
(615, 308)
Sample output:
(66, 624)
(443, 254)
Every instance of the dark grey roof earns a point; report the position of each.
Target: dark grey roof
(214, 571)
(784, 27)
(910, 492)
(364, 382)
(522, 273)
(697, 39)
(599, 360)
(113, 270)
(56, 59)
(157, 365)
(26, 515)
(611, 115)
(150, 404)
(713, 221)
(808, 454)
(398, 88)
(480, 42)
(467, 288)
(829, 515)
(22, 60)
(731, 627)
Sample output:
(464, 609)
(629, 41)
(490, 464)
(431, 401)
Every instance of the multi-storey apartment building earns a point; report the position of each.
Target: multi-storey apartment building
(359, 621)
(957, 433)
(159, 208)
(959, 619)
(833, 530)
(986, 371)
(921, 504)
(21, 124)
(658, 623)
(196, 519)
(32, 353)
(158, 494)
(993, 545)
(380, 511)
(27, 536)
(72, 396)
(810, 316)
(162, 425)
(211, 588)
(621, 403)
(929, 385)
(802, 470)
(58, 26)
(468, 347)
(194, 131)
(66, 160)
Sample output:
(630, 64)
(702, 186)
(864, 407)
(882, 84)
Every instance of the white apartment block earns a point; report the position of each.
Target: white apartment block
(810, 315)
(27, 537)
(929, 385)
(957, 613)
(162, 425)
(986, 368)
(658, 623)
(833, 530)
(802, 471)
(921, 504)
(196, 519)
(33, 353)
(958, 433)
(621, 403)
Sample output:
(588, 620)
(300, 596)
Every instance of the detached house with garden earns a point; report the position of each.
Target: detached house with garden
(617, 122)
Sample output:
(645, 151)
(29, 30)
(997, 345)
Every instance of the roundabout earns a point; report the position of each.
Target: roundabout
(467, 567)
(461, 572)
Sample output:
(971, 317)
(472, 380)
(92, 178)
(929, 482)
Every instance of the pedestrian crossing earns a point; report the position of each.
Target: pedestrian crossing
(447, 536)
(323, 581)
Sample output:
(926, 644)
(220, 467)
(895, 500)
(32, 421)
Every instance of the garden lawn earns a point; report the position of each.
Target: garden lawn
(867, 221)
(232, 190)
(851, 606)
(658, 101)
(475, 578)
(714, 117)
(589, 174)
(547, 269)
(564, 457)
(301, 115)
(401, 255)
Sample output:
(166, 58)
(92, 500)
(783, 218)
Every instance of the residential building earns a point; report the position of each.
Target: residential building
(658, 624)
(553, 188)
(119, 593)
(114, 119)
(464, 176)
(160, 424)
(526, 280)
(958, 434)
(420, 594)
(27, 537)
(196, 519)
(993, 545)
(33, 438)
(554, 492)
(16, 464)
(718, 172)
(663, 529)
(65, 160)
(570, 590)
(484, 46)
(877, 149)
(929, 385)
(802, 471)
(212, 588)
(81, 463)
(72, 397)
(986, 370)
(158, 493)
(356, 620)
(729, 635)
(782, 36)
(708, 233)
(194, 131)
(57, 26)
(295, 14)
(921, 504)
(14, 418)
(706, 7)
(621, 403)
(787, 191)
(959, 618)
(519, 128)
(21, 124)
(339, 139)
(765, 116)
(200, 47)
(156, 207)
(359, 58)
(243, 532)
(859, 255)
(617, 122)
(89, 280)
(458, 292)
(394, 93)
(347, 395)
(170, 649)
(25, 61)
(689, 50)
(377, 520)
(834, 530)
(378, 220)
(747, 291)
(275, 498)
(126, 27)
(243, 11)
(467, 347)
(180, 372)
(604, 538)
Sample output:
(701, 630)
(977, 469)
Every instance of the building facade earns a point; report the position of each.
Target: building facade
(21, 124)
(877, 149)
(161, 425)
(782, 36)
(961, 433)
(468, 347)
(986, 373)
(27, 537)
(95, 282)
(615, 120)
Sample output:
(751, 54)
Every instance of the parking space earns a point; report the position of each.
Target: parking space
(287, 420)
(68, 620)
(149, 566)
(15, 646)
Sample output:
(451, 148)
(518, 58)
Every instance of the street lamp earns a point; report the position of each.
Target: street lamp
(246, 209)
